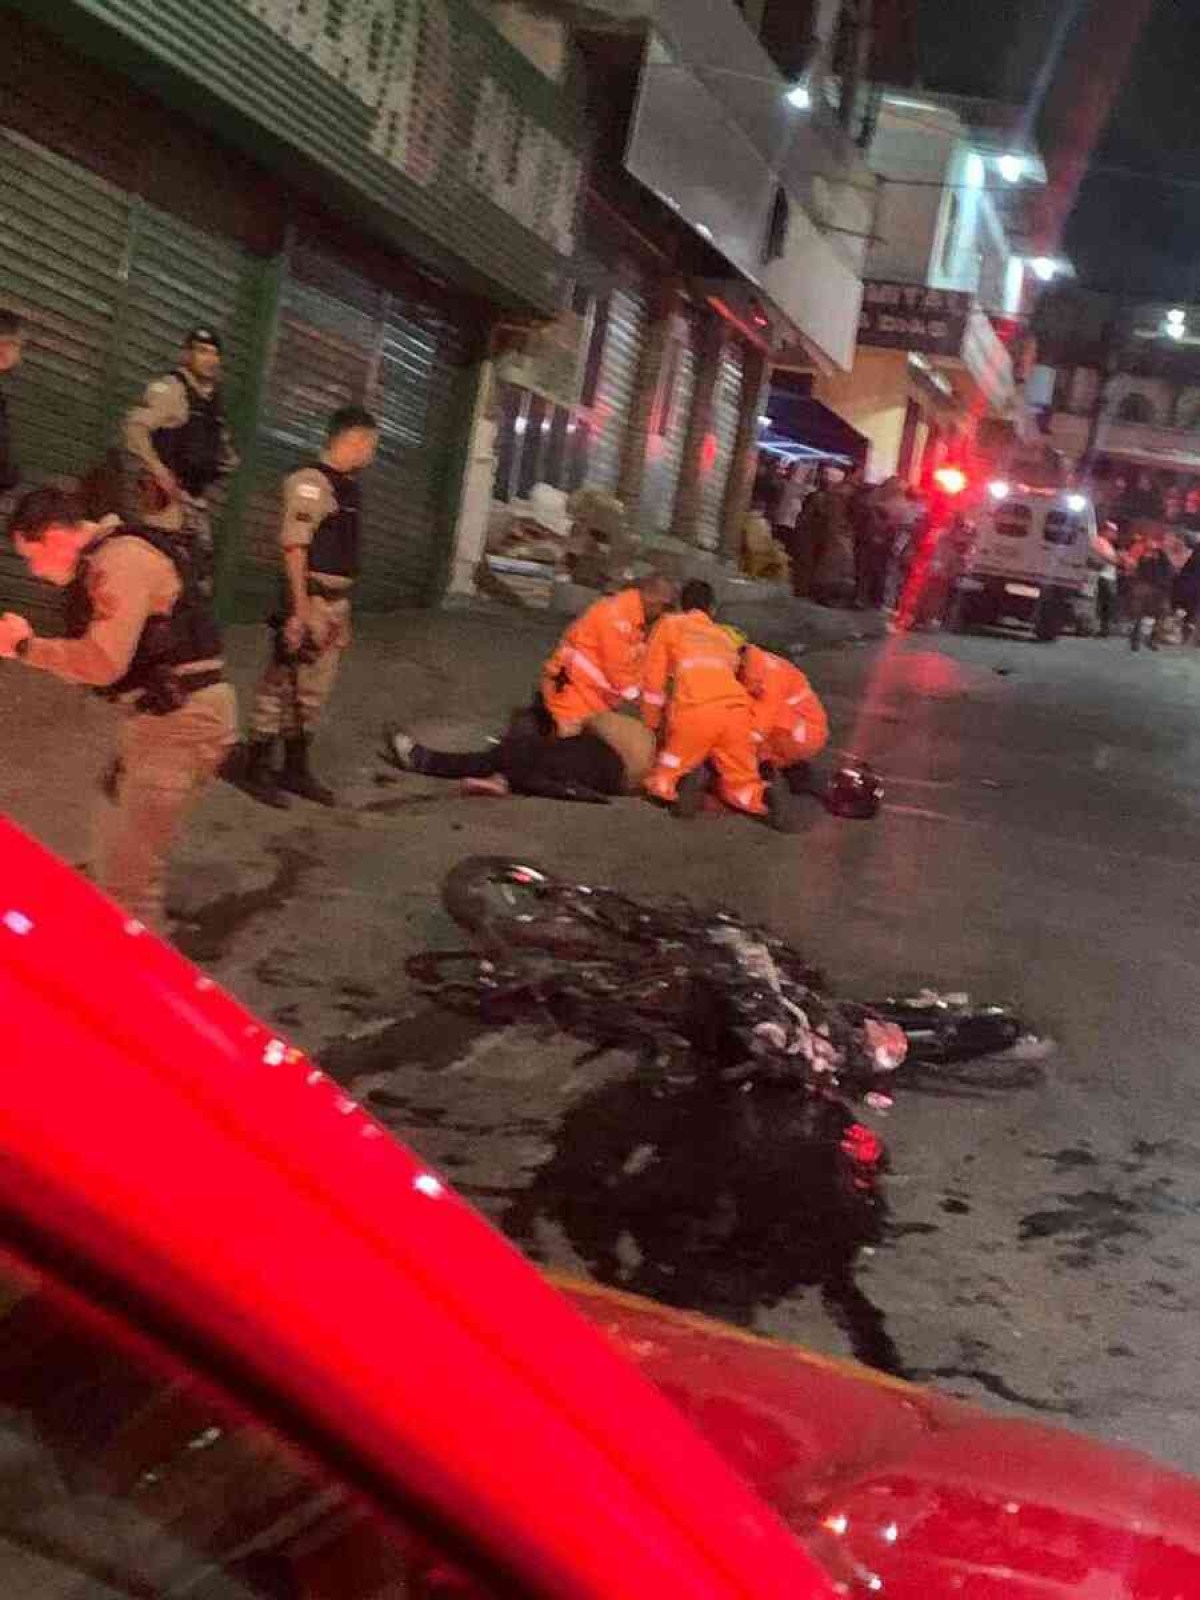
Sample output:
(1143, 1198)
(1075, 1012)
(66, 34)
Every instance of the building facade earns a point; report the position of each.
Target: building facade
(948, 283)
(355, 195)
(723, 230)
(1118, 392)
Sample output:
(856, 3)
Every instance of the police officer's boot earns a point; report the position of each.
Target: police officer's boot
(297, 777)
(258, 777)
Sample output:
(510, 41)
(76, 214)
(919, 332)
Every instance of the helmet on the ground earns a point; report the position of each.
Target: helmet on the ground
(854, 791)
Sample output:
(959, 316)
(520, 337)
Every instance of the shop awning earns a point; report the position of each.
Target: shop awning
(804, 423)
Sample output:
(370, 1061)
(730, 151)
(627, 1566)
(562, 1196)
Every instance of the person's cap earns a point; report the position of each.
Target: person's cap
(203, 335)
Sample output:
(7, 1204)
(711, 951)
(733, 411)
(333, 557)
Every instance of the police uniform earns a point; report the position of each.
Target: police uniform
(180, 427)
(140, 631)
(322, 513)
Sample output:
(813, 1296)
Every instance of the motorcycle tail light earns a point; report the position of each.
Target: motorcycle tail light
(862, 1145)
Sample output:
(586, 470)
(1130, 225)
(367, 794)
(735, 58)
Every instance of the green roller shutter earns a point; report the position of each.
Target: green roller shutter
(341, 340)
(63, 251)
(109, 287)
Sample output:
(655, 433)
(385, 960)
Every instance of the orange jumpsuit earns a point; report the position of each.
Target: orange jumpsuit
(597, 663)
(708, 713)
(790, 724)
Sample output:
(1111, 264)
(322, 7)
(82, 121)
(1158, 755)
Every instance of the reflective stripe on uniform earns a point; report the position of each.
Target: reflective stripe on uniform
(689, 662)
(800, 732)
(796, 700)
(576, 658)
(654, 699)
(668, 760)
(631, 693)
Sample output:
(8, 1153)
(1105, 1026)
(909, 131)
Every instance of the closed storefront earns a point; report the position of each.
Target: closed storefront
(304, 223)
(668, 428)
(342, 339)
(717, 455)
(108, 285)
(623, 331)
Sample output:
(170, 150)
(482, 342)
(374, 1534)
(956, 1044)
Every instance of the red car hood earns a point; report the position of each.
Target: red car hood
(904, 1492)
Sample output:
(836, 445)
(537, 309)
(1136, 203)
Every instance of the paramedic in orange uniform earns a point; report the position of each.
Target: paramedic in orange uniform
(790, 725)
(597, 665)
(690, 678)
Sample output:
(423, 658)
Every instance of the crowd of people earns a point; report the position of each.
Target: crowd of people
(848, 543)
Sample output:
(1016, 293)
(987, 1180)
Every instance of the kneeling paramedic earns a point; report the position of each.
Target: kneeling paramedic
(690, 680)
(320, 539)
(597, 664)
(790, 724)
(141, 632)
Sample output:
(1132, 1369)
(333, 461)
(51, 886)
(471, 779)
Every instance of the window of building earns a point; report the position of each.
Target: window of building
(775, 243)
(1135, 408)
(123, 1473)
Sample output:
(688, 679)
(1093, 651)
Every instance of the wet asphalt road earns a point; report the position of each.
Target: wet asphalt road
(1039, 846)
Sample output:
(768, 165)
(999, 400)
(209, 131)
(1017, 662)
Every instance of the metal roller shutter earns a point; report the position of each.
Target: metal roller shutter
(63, 253)
(343, 340)
(662, 471)
(624, 337)
(109, 286)
(727, 404)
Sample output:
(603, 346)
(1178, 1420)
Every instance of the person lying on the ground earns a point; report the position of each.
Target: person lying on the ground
(790, 724)
(597, 664)
(691, 690)
(610, 756)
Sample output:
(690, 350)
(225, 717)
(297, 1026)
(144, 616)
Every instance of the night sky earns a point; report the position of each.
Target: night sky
(1125, 232)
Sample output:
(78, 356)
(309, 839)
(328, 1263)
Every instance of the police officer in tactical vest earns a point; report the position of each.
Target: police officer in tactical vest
(180, 448)
(139, 631)
(320, 537)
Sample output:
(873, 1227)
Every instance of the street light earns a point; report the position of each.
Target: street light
(1176, 325)
(799, 96)
(1012, 168)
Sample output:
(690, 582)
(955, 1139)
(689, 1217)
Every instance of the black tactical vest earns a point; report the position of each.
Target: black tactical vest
(335, 546)
(187, 634)
(193, 450)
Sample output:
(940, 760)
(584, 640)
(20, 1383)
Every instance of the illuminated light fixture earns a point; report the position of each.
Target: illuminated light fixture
(1077, 502)
(974, 172)
(521, 424)
(1044, 268)
(799, 96)
(1176, 324)
(1012, 168)
(764, 421)
(950, 480)
(999, 490)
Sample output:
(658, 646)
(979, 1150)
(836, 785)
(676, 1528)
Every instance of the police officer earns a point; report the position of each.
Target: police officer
(12, 335)
(320, 541)
(180, 448)
(141, 633)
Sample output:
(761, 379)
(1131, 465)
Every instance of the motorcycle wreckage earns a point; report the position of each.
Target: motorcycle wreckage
(705, 999)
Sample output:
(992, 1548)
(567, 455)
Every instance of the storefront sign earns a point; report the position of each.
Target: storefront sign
(909, 316)
(549, 360)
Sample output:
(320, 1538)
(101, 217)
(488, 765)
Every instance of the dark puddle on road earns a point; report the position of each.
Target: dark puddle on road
(207, 933)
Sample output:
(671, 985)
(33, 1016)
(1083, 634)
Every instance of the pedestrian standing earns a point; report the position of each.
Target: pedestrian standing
(1153, 576)
(823, 521)
(181, 448)
(141, 632)
(789, 503)
(320, 538)
(1103, 559)
(12, 337)
(1186, 595)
